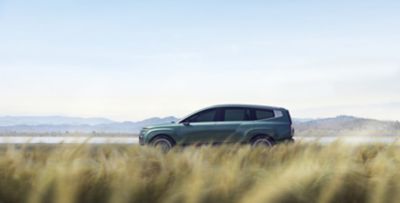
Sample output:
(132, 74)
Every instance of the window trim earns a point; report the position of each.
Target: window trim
(220, 114)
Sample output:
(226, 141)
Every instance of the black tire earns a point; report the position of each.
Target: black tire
(162, 142)
(262, 140)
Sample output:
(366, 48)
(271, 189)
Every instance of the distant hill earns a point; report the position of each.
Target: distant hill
(347, 126)
(59, 124)
(336, 126)
(51, 120)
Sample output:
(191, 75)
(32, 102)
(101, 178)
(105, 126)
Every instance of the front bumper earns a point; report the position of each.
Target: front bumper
(142, 134)
(141, 139)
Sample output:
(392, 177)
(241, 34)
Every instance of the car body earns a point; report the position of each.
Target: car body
(232, 123)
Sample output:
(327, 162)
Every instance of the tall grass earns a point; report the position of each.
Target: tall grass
(285, 173)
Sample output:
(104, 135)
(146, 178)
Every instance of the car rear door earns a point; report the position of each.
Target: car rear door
(229, 126)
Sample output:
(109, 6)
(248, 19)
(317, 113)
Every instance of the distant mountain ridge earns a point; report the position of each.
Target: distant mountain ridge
(347, 126)
(59, 124)
(51, 120)
(335, 126)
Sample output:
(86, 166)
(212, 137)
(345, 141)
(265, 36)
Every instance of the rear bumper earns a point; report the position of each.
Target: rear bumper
(290, 140)
(286, 140)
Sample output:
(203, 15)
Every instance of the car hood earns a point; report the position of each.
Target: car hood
(165, 125)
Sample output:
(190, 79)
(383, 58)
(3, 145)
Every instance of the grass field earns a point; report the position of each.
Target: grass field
(286, 173)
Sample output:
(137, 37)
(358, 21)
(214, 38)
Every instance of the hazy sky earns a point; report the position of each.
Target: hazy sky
(129, 60)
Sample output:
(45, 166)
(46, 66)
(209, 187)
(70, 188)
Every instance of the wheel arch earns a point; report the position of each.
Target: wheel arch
(151, 134)
(155, 136)
(254, 133)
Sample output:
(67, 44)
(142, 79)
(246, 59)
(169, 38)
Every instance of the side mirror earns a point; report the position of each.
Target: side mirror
(172, 122)
(186, 123)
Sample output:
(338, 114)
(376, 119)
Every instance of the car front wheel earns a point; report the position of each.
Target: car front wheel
(163, 143)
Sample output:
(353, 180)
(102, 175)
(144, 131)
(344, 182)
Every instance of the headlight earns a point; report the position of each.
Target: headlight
(143, 131)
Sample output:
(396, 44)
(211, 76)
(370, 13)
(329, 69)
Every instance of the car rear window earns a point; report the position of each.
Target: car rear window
(236, 114)
(264, 114)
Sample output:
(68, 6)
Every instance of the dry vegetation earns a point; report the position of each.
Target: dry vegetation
(286, 173)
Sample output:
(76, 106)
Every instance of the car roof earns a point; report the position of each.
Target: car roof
(243, 106)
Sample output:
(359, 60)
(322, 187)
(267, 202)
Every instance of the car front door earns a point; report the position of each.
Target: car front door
(199, 128)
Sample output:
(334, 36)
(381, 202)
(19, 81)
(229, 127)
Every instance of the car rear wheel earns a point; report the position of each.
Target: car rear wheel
(262, 141)
(163, 143)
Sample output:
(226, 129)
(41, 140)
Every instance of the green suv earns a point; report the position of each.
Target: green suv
(252, 124)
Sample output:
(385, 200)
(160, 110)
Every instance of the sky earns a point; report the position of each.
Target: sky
(131, 60)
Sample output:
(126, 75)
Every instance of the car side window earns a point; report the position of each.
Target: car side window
(236, 114)
(264, 114)
(205, 116)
